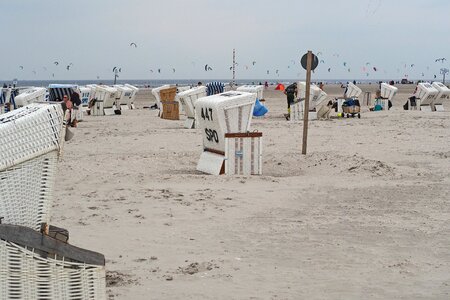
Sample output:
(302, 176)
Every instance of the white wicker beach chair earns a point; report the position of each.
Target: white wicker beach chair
(31, 138)
(35, 266)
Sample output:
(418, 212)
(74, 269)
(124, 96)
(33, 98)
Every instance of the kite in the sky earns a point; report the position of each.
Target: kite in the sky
(435, 76)
(21, 67)
(329, 70)
(412, 65)
(276, 71)
(368, 64)
(208, 68)
(56, 63)
(254, 63)
(133, 44)
(375, 69)
(159, 70)
(68, 67)
(151, 71)
(268, 72)
(349, 70)
(345, 64)
(441, 60)
(53, 74)
(322, 61)
(173, 69)
(117, 69)
(98, 77)
(319, 53)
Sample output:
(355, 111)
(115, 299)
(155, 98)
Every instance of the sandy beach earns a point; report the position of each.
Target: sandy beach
(364, 215)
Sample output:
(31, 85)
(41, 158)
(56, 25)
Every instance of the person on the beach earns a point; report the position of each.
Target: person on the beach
(266, 85)
(291, 93)
(199, 83)
(67, 109)
(76, 101)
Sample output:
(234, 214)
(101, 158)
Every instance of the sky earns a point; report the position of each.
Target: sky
(350, 37)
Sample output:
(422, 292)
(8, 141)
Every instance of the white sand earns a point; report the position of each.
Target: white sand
(365, 215)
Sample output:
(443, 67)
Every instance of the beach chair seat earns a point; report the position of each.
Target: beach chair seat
(32, 138)
(36, 266)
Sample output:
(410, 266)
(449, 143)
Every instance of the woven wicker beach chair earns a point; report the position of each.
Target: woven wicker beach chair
(31, 139)
(35, 266)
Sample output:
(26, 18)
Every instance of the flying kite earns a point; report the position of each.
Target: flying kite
(322, 61)
(53, 74)
(231, 68)
(151, 71)
(254, 63)
(208, 68)
(329, 70)
(21, 67)
(268, 72)
(368, 64)
(98, 77)
(412, 65)
(345, 64)
(68, 67)
(375, 69)
(319, 53)
(159, 70)
(56, 63)
(116, 69)
(133, 44)
(435, 76)
(276, 71)
(441, 60)
(349, 70)
(173, 70)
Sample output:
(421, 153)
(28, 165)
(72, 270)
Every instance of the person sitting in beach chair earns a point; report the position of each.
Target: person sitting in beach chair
(378, 105)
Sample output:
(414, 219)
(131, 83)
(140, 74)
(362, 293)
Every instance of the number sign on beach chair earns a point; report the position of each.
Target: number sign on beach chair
(228, 146)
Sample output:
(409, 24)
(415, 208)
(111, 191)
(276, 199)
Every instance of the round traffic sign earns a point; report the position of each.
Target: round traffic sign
(314, 64)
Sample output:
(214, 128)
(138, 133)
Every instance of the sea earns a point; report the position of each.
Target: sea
(181, 82)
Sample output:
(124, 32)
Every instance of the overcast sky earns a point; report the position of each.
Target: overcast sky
(398, 38)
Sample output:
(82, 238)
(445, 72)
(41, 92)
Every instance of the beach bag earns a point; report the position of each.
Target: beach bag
(259, 110)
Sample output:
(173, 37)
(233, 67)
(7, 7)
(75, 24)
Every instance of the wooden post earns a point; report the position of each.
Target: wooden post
(307, 92)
